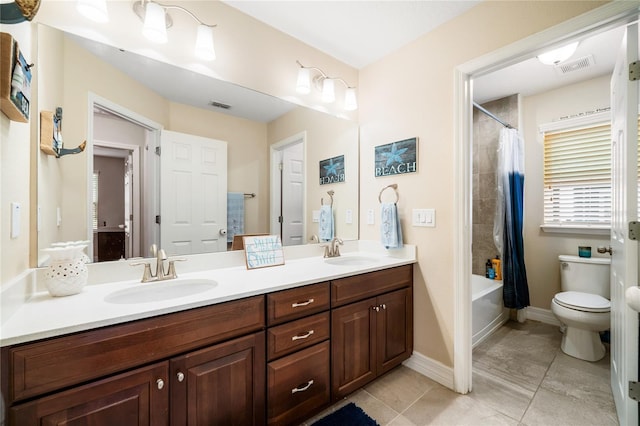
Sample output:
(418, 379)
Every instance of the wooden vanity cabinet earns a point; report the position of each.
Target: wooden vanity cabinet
(298, 353)
(371, 327)
(98, 375)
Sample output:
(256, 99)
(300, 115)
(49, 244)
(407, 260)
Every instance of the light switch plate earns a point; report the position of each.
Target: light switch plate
(315, 216)
(15, 220)
(370, 217)
(423, 217)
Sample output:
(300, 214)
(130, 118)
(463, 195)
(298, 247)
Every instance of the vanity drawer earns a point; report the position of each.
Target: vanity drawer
(358, 287)
(298, 385)
(291, 304)
(49, 365)
(296, 335)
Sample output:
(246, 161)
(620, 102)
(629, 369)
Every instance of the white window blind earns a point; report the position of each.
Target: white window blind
(577, 176)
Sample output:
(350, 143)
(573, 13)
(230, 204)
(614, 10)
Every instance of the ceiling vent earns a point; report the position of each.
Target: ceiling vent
(575, 65)
(219, 105)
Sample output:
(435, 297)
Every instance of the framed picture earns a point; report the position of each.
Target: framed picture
(332, 170)
(396, 158)
(263, 251)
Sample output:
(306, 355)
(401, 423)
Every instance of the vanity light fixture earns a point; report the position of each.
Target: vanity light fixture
(96, 10)
(556, 56)
(156, 20)
(327, 85)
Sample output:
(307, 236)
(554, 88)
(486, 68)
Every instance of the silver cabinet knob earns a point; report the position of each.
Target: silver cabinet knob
(160, 384)
(180, 376)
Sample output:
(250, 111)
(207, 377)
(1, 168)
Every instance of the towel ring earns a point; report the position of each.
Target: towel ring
(394, 186)
(331, 192)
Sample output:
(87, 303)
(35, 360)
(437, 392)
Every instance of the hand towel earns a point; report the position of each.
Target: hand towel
(326, 223)
(390, 226)
(235, 214)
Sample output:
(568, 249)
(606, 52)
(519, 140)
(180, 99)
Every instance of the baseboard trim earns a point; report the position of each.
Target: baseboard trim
(542, 315)
(431, 368)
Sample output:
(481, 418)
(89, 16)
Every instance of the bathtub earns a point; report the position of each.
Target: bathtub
(488, 312)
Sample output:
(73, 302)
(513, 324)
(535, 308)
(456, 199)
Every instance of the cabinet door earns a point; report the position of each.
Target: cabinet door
(353, 347)
(394, 320)
(220, 385)
(139, 397)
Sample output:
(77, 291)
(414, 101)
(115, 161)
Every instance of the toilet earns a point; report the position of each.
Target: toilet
(583, 306)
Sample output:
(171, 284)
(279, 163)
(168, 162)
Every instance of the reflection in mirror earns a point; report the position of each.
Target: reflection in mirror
(122, 104)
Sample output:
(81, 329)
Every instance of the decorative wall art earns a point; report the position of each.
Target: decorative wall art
(332, 170)
(262, 251)
(396, 158)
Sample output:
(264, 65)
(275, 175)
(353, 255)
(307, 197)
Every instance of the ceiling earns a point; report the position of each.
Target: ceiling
(358, 33)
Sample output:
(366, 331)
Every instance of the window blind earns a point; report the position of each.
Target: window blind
(577, 176)
(94, 201)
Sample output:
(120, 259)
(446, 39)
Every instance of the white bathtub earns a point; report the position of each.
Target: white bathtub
(488, 311)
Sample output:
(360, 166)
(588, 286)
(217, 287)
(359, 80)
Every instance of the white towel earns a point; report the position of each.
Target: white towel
(235, 214)
(326, 223)
(391, 232)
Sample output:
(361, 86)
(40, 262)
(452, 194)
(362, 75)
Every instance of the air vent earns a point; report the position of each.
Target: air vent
(575, 65)
(219, 105)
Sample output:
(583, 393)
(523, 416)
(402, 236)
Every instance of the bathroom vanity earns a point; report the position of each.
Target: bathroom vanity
(275, 357)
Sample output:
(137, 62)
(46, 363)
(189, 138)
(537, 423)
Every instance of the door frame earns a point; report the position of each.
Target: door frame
(135, 185)
(603, 18)
(274, 156)
(150, 203)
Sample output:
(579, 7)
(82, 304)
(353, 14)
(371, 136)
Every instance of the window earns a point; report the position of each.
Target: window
(577, 173)
(94, 201)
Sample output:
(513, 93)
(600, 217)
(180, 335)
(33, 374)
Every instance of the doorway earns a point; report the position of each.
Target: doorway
(127, 141)
(606, 17)
(287, 190)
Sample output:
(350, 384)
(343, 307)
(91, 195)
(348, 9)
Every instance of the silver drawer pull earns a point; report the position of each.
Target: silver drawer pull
(302, 388)
(298, 304)
(302, 336)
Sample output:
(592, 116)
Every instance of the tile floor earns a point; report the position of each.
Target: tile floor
(520, 377)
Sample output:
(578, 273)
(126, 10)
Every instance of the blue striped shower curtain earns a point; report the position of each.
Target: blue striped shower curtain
(507, 227)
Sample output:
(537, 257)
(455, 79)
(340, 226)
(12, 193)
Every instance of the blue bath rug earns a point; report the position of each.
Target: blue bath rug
(349, 415)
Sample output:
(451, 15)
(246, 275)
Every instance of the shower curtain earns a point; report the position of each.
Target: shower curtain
(507, 226)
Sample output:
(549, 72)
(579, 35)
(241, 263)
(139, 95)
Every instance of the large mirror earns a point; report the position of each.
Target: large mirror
(124, 105)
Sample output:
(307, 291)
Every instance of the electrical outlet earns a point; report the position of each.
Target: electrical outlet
(15, 220)
(370, 217)
(349, 216)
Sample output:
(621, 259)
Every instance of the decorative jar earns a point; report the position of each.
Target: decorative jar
(67, 272)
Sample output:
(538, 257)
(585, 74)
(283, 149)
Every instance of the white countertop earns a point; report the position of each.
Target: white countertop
(41, 316)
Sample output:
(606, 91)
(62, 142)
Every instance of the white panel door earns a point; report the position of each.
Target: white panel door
(193, 194)
(293, 195)
(624, 262)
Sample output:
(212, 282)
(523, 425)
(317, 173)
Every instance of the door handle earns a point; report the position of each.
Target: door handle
(603, 249)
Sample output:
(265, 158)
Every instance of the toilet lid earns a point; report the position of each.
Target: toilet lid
(583, 301)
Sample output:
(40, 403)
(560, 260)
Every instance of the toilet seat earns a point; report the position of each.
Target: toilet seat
(585, 302)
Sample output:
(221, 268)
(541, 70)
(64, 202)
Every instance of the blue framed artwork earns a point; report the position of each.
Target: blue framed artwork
(396, 158)
(332, 170)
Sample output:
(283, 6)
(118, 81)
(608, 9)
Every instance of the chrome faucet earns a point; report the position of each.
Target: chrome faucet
(160, 274)
(332, 249)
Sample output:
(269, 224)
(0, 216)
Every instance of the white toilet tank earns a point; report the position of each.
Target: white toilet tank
(585, 274)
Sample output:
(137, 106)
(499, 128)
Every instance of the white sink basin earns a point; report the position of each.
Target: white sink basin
(351, 260)
(161, 290)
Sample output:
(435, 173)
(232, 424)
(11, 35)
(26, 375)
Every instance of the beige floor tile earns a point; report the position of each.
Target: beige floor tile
(374, 408)
(400, 388)
(401, 421)
(441, 406)
(501, 395)
(550, 408)
(582, 380)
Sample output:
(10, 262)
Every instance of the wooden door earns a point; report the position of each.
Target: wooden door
(353, 347)
(220, 385)
(193, 199)
(395, 329)
(136, 398)
(293, 195)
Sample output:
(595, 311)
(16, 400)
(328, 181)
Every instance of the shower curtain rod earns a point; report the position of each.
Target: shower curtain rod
(507, 125)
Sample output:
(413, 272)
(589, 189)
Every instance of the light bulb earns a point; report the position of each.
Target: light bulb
(155, 24)
(96, 10)
(350, 101)
(303, 85)
(204, 43)
(328, 92)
